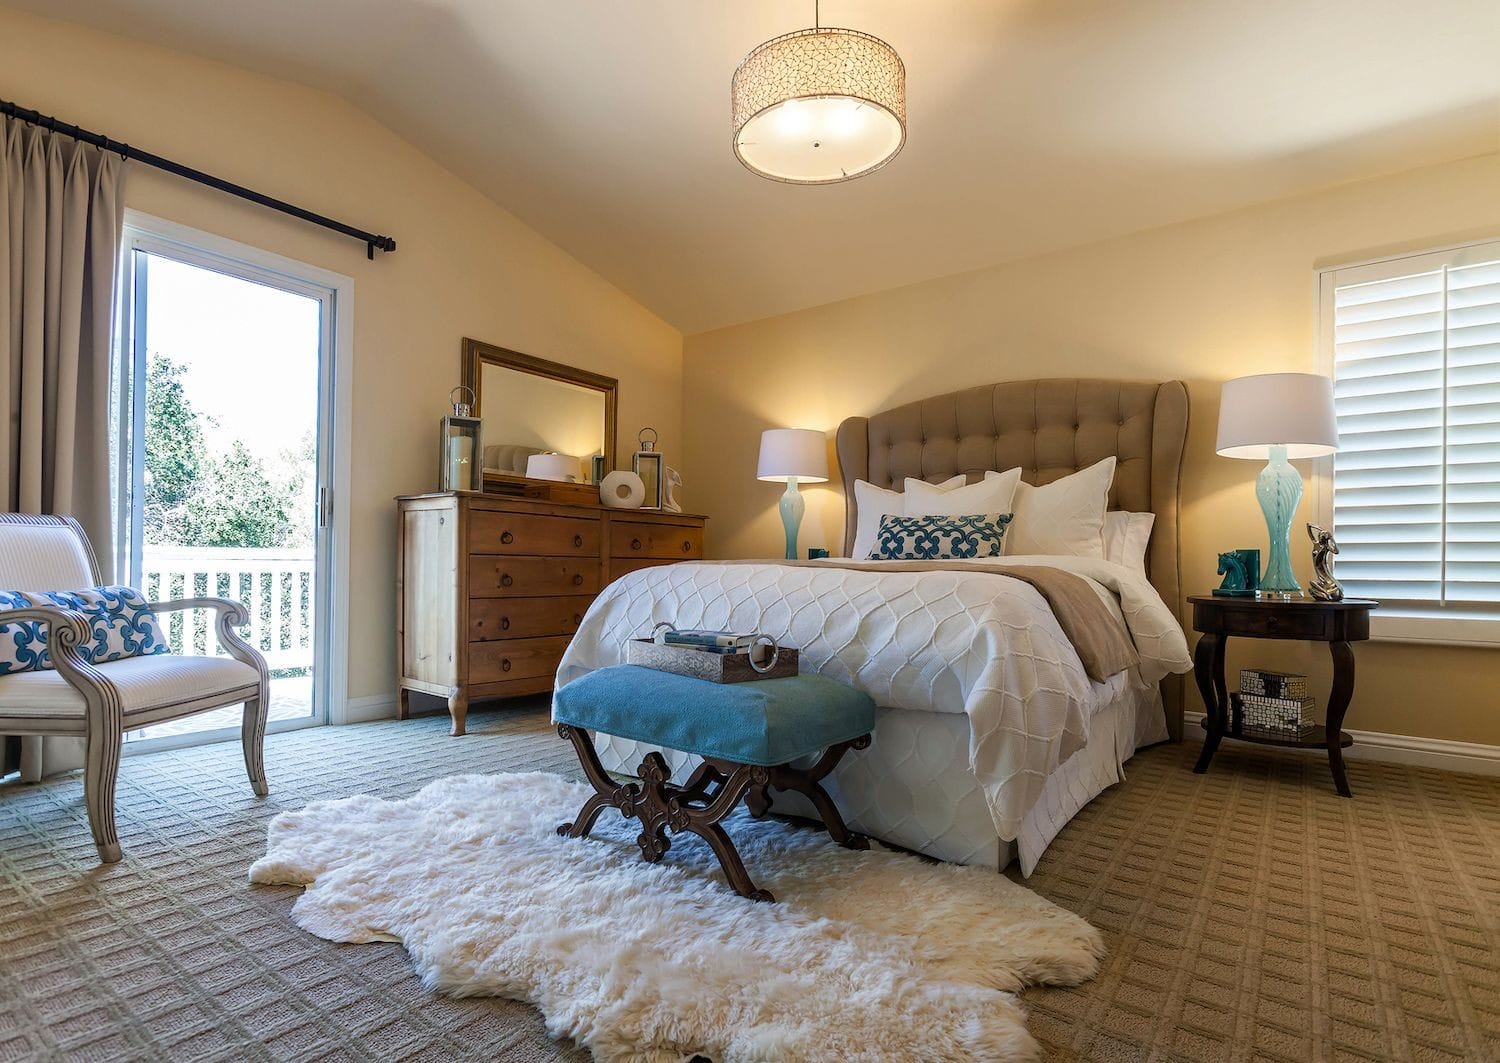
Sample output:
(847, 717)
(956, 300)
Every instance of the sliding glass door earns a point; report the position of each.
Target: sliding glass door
(224, 421)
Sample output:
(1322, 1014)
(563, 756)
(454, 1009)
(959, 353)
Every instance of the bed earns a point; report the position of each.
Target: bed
(989, 735)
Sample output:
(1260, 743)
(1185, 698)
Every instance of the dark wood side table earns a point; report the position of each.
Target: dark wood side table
(1301, 619)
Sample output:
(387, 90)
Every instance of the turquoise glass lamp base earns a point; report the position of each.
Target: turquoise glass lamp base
(792, 507)
(1279, 489)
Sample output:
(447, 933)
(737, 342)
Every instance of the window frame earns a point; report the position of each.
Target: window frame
(1401, 623)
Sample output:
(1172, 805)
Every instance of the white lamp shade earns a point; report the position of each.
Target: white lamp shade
(819, 106)
(1294, 410)
(799, 454)
(562, 467)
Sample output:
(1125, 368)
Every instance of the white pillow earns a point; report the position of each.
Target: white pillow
(871, 503)
(993, 494)
(1126, 536)
(1064, 518)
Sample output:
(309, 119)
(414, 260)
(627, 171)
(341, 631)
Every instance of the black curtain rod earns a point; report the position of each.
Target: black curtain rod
(372, 241)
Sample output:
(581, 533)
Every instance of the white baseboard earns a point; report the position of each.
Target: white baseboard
(369, 708)
(1471, 758)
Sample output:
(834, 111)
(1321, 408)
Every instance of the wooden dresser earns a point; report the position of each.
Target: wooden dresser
(490, 589)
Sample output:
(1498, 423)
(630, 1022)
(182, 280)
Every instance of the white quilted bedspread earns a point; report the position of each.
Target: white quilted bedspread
(944, 641)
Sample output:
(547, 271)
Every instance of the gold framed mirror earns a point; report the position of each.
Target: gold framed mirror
(532, 408)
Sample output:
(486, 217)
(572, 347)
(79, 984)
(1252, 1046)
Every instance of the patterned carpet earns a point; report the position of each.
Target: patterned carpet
(1250, 913)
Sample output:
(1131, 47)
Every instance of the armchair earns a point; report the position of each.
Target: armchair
(100, 702)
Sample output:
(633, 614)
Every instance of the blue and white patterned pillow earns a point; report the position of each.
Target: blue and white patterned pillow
(939, 538)
(23, 646)
(122, 624)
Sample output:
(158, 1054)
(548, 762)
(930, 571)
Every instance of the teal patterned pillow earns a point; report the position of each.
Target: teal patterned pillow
(939, 538)
(122, 624)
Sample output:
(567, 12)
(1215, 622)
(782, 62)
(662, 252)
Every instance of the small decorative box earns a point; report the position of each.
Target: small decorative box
(1275, 717)
(1260, 682)
(714, 667)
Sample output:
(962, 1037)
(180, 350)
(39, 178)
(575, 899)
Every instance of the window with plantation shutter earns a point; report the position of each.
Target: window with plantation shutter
(1415, 346)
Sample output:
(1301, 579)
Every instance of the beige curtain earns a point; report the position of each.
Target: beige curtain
(61, 213)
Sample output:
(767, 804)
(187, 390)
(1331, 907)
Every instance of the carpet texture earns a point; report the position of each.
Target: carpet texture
(869, 955)
(1247, 914)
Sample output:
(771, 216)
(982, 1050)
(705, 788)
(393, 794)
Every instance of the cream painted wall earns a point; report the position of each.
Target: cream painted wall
(1202, 301)
(464, 267)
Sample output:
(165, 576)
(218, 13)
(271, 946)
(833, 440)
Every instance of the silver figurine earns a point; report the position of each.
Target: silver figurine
(1324, 587)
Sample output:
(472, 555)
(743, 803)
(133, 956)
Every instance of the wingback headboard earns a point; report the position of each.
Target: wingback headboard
(1047, 428)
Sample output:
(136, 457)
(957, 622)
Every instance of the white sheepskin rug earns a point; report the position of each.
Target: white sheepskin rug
(865, 955)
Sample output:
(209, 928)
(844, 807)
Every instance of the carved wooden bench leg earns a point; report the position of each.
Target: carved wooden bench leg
(729, 860)
(607, 791)
(698, 806)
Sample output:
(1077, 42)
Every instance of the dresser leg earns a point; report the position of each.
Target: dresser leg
(403, 704)
(1338, 705)
(458, 708)
(1208, 669)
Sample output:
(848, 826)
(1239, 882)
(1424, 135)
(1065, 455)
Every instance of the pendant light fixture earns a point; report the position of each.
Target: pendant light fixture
(819, 106)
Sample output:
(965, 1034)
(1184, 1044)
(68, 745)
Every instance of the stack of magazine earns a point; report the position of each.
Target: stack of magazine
(724, 642)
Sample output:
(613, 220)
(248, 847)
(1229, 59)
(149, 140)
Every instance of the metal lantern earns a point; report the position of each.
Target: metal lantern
(461, 464)
(647, 465)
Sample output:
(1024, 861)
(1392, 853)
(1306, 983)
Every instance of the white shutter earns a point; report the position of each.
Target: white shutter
(1416, 499)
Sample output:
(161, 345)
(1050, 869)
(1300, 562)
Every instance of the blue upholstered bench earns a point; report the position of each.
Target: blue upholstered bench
(748, 734)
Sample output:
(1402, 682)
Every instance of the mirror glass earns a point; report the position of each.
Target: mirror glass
(530, 408)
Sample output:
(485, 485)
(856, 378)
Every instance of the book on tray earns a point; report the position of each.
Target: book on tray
(711, 641)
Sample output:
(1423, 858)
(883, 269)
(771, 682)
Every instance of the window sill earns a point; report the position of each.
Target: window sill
(1405, 624)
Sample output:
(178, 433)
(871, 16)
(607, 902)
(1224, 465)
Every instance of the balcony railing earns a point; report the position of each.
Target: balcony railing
(276, 586)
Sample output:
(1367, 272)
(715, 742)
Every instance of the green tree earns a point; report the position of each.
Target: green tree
(238, 504)
(174, 450)
(194, 498)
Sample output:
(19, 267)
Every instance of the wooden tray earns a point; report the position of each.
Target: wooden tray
(714, 667)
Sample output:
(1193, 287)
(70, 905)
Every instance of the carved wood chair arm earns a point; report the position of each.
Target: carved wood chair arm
(230, 615)
(67, 630)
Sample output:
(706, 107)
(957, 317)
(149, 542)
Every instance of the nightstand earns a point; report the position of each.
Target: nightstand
(1301, 619)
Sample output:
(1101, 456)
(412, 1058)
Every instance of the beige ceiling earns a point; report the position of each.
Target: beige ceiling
(1033, 124)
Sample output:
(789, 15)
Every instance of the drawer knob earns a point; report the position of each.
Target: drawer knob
(577, 619)
(507, 538)
(505, 623)
(505, 580)
(578, 579)
(635, 544)
(687, 546)
(505, 665)
(1273, 622)
(577, 540)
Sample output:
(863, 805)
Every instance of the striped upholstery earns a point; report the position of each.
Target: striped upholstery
(42, 557)
(143, 682)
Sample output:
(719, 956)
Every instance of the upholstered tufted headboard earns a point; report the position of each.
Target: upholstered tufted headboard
(1049, 428)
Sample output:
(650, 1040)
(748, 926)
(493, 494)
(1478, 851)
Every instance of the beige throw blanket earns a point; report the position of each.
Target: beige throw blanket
(1098, 635)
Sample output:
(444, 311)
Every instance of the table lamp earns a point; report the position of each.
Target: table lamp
(1277, 416)
(797, 456)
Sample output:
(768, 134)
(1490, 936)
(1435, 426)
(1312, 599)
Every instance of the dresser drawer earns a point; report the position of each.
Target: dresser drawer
(493, 662)
(1260, 623)
(524, 618)
(621, 566)
(531, 577)
(532, 533)
(669, 542)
